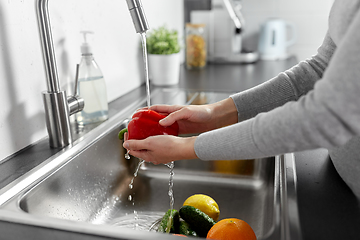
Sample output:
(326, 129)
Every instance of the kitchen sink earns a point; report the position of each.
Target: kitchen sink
(85, 187)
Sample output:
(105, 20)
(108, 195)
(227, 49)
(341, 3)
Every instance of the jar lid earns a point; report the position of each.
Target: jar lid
(195, 25)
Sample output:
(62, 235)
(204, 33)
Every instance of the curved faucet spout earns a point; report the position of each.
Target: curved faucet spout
(138, 15)
(57, 111)
(53, 83)
(234, 13)
(59, 106)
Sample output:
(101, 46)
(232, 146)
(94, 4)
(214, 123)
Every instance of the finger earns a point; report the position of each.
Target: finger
(162, 108)
(140, 109)
(134, 145)
(174, 116)
(142, 154)
(126, 136)
(145, 155)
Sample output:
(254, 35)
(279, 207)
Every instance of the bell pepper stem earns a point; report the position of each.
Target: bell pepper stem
(121, 133)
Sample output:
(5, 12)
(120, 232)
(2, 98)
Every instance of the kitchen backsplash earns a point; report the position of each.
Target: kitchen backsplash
(309, 17)
(116, 48)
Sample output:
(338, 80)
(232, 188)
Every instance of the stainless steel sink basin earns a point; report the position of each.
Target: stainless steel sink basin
(85, 187)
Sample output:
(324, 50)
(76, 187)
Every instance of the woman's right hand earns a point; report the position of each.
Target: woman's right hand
(191, 118)
(198, 118)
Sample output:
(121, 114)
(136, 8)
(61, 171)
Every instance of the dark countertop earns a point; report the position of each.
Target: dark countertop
(232, 77)
(327, 207)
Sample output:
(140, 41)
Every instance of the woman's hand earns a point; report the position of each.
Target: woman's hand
(191, 119)
(161, 148)
(198, 118)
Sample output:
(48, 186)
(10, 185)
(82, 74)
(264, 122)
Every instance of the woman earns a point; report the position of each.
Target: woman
(315, 104)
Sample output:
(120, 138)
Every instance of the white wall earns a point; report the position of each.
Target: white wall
(115, 44)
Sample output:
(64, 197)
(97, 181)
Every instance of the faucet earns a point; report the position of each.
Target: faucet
(59, 107)
(138, 15)
(233, 8)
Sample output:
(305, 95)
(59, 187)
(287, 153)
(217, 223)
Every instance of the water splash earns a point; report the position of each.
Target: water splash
(131, 185)
(171, 185)
(131, 197)
(145, 221)
(127, 155)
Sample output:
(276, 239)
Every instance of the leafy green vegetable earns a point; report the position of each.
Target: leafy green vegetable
(162, 41)
(170, 222)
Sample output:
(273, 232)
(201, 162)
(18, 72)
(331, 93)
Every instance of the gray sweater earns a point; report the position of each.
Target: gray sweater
(315, 104)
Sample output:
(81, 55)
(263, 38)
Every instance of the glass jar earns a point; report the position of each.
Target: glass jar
(195, 46)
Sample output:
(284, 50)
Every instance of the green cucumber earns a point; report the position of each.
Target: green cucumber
(199, 221)
(121, 133)
(170, 222)
(185, 229)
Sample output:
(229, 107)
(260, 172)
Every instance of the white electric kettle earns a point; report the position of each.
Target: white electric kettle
(276, 35)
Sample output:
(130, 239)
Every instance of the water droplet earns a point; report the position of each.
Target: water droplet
(127, 155)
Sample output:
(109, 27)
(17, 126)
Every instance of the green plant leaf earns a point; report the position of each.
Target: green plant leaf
(162, 41)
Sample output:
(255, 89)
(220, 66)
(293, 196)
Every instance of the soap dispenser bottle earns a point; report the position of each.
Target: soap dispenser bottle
(91, 87)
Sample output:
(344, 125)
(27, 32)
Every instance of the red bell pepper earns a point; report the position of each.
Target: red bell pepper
(145, 123)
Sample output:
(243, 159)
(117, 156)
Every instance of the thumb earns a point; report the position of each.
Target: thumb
(167, 121)
(134, 145)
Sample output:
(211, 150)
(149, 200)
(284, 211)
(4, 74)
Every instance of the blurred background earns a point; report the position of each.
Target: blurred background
(116, 47)
(309, 18)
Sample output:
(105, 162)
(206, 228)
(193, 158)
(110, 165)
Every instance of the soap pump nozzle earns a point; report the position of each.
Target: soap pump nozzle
(85, 47)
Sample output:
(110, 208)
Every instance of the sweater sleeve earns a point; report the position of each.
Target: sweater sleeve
(294, 111)
(287, 86)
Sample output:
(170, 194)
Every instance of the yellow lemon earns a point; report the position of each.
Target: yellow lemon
(204, 203)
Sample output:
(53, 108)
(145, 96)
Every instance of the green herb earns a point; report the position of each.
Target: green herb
(162, 41)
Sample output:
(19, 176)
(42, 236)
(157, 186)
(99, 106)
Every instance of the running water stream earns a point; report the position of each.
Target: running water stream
(127, 156)
(147, 80)
(171, 194)
(131, 198)
(146, 68)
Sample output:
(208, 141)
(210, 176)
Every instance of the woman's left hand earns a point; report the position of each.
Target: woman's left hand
(162, 148)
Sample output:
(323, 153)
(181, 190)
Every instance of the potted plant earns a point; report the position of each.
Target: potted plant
(164, 56)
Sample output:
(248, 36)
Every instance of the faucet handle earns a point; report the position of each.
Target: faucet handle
(76, 103)
(76, 79)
